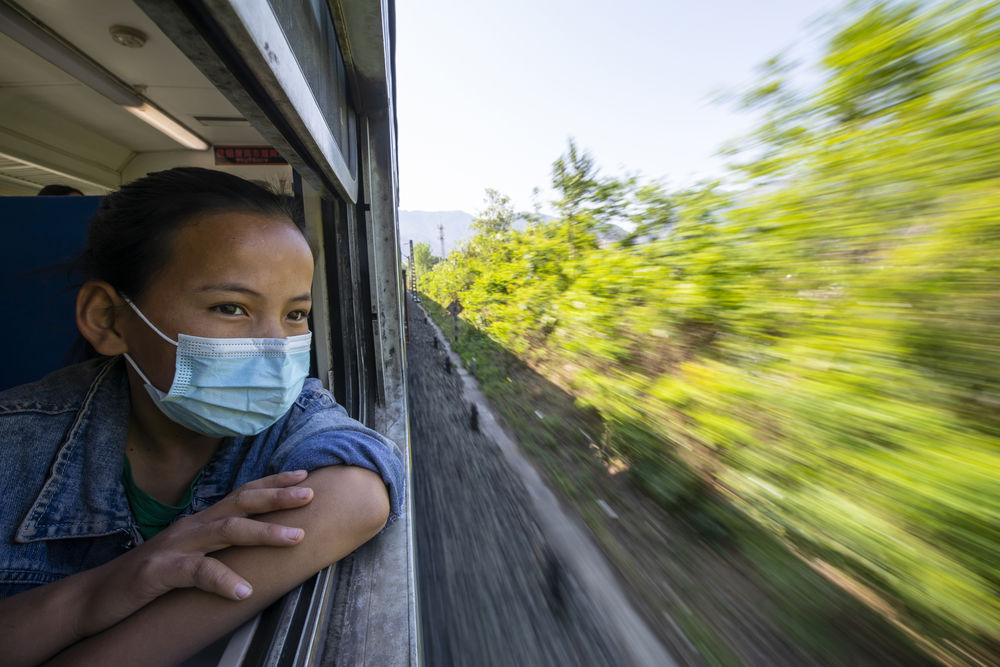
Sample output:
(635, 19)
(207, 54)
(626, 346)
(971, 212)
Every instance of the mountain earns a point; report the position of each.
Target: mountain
(423, 226)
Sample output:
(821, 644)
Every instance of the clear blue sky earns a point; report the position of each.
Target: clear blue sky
(489, 91)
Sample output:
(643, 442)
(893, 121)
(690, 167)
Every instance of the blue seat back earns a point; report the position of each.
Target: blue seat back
(41, 239)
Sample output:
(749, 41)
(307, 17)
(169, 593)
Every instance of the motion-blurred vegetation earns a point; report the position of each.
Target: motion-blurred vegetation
(817, 338)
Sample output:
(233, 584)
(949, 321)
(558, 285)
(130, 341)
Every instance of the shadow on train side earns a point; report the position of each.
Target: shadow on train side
(42, 240)
(731, 591)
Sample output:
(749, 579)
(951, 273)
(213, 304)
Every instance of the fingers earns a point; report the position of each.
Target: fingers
(282, 479)
(268, 494)
(177, 557)
(247, 502)
(176, 566)
(212, 576)
(243, 532)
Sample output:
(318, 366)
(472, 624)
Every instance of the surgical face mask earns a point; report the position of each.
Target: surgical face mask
(230, 386)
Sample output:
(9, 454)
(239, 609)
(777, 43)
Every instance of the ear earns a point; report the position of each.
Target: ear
(98, 317)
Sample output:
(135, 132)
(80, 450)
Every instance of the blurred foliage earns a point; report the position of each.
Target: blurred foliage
(817, 338)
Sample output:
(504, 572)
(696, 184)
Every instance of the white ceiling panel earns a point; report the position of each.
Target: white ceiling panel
(85, 24)
(74, 127)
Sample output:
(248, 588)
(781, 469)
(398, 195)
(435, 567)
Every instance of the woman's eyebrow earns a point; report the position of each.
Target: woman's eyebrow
(229, 287)
(237, 287)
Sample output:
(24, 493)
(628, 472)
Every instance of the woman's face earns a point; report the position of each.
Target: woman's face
(230, 275)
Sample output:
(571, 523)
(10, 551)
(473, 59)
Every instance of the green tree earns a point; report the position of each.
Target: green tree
(652, 214)
(423, 260)
(588, 202)
(498, 217)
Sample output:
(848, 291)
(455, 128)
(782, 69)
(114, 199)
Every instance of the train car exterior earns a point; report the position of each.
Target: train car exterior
(95, 93)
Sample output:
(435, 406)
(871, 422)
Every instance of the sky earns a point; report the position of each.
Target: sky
(490, 91)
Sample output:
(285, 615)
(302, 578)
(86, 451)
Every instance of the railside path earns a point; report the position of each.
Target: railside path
(505, 578)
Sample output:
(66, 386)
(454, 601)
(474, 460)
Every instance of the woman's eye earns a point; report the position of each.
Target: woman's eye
(298, 315)
(229, 309)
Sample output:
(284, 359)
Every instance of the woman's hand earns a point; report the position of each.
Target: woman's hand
(179, 556)
(350, 506)
(42, 621)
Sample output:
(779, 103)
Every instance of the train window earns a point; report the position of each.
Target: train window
(311, 36)
(347, 281)
(300, 91)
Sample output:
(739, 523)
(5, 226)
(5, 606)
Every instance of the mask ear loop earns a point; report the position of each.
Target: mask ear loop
(144, 319)
(136, 367)
(151, 326)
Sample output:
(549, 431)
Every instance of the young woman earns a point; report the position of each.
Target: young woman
(163, 494)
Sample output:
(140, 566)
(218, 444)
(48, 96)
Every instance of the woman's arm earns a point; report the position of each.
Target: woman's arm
(40, 622)
(350, 505)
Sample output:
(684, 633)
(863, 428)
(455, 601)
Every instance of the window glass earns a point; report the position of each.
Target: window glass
(309, 30)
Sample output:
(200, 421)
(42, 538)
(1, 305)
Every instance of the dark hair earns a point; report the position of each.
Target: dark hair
(131, 235)
(55, 189)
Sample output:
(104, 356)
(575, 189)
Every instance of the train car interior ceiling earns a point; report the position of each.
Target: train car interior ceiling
(116, 102)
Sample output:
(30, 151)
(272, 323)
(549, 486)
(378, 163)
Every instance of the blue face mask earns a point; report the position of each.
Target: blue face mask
(230, 386)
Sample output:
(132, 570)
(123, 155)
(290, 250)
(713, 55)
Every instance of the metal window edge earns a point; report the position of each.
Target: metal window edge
(287, 82)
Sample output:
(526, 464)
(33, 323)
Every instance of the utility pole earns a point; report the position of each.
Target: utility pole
(413, 270)
(441, 230)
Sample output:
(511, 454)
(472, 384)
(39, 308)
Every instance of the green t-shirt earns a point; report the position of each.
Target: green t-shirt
(150, 514)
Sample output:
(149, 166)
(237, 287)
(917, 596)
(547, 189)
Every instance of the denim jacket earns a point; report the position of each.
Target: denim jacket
(62, 445)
